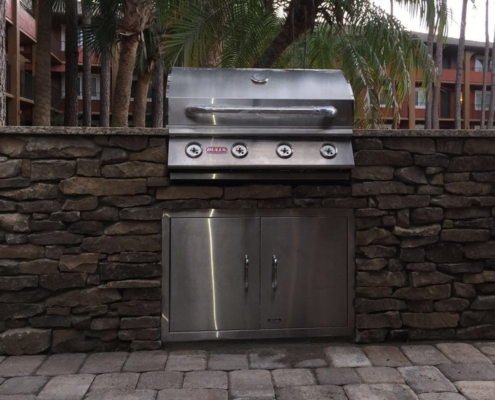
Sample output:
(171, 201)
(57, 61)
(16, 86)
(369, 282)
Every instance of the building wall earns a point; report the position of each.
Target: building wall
(80, 235)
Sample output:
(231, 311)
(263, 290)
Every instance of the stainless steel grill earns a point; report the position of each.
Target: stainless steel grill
(252, 124)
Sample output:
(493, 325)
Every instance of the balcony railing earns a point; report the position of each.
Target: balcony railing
(27, 85)
(28, 6)
(56, 47)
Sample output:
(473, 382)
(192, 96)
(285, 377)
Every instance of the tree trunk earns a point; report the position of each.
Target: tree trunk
(137, 17)
(492, 90)
(486, 63)
(141, 99)
(105, 83)
(157, 96)
(3, 66)
(86, 78)
(71, 61)
(301, 16)
(43, 72)
(429, 104)
(460, 67)
(437, 89)
(123, 83)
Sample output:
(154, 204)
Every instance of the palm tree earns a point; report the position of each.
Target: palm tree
(460, 67)
(105, 85)
(3, 66)
(441, 28)
(137, 16)
(86, 77)
(71, 63)
(429, 44)
(370, 46)
(157, 96)
(43, 70)
(486, 63)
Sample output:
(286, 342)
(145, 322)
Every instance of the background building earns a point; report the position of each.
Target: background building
(21, 45)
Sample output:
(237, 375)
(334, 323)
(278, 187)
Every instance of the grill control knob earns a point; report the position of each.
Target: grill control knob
(239, 150)
(194, 150)
(284, 150)
(328, 150)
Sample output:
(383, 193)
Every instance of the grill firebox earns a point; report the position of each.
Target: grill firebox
(251, 124)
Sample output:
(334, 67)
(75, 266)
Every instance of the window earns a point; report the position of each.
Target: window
(478, 66)
(446, 63)
(79, 38)
(420, 126)
(477, 100)
(95, 87)
(420, 98)
(133, 89)
(383, 99)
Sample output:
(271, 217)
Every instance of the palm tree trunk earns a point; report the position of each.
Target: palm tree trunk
(491, 110)
(157, 96)
(71, 61)
(3, 66)
(43, 71)
(429, 104)
(437, 89)
(301, 17)
(460, 67)
(86, 78)
(105, 84)
(123, 83)
(486, 63)
(137, 17)
(141, 99)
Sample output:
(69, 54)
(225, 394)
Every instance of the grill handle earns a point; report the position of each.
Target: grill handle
(246, 272)
(274, 272)
(328, 111)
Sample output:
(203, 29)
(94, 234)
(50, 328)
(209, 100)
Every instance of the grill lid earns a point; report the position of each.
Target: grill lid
(246, 101)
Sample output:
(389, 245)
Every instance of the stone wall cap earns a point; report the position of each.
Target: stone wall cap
(447, 133)
(75, 130)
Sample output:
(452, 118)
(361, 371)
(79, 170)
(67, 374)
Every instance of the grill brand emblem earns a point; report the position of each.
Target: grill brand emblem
(216, 150)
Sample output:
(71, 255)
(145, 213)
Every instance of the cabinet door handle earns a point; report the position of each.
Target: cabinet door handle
(274, 272)
(246, 272)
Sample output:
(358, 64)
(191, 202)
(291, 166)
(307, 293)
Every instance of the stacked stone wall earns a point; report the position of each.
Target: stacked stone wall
(80, 237)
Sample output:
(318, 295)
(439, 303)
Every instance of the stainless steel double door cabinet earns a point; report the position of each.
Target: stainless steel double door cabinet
(257, 274)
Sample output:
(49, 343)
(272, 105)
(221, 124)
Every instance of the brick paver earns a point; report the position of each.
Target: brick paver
(20, 365)
(103, 363)
(62, 364)
(424, 355)
(342, 357)
(238, 371)
(66, 387)
(462, 353)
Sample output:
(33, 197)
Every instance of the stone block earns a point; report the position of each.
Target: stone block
(133, 169)
(480, 250)
(411, 175)
(63, 281)
(114, 155)
(462, 353)
(472, 164)
(418, 279)
(206, 380)
(376, 188)
(379, 375)
(122, 380)
(390, 319)
(382, 158)
(133, 228)
(445, 253)
(427, 215)
(382, 278)
(347, 357)
(372, 306)
(85, 297)
(257, 192)
(38, 267)
(50, 170)
(424, 355)
(395, 202)
(101, 363)
(373, 173)
(80, 204)
(19, 342)
(227, 362)
(134, 143)
(140, 323)
(37, 191)
(118, 271)
(118, 244)
(437, 292)
(188, 192)
(86, 262)
(143, 361)
(14, 388)
(18, 282)
(61, 364)
(379, 391)
(102, 187)
(469, 188)
(269, 359)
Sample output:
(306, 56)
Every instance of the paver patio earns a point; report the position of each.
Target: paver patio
(260, 371)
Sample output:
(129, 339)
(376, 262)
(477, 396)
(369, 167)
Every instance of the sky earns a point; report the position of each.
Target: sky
(475, 27)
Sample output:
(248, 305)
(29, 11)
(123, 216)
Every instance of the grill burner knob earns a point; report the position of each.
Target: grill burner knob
(284, 150)
(194, 150)
(239, 150)
(328, 150)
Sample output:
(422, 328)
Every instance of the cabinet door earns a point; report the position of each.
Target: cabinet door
(303, 272)
(214, 274)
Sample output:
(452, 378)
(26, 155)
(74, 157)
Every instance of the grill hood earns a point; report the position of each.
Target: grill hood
(232, 102)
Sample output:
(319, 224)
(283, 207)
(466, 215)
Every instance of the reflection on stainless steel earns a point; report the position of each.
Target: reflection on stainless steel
(207, 109)
(284, 118)
(260, 273)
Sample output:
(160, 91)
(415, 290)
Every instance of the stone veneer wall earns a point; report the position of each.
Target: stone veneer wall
(80, 235)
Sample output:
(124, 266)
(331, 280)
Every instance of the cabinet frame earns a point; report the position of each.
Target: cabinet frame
(168, 336)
